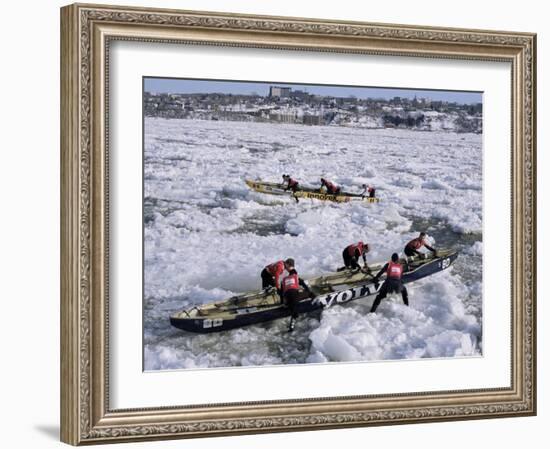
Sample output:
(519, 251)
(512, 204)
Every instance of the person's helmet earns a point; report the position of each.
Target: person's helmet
(394, 257)
(366, 247)
(323, 180)
(422, 234)
(289, 262)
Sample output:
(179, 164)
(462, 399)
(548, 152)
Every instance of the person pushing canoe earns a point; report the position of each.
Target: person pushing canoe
(290, 288)
(291, 184)
(369, 190)
(392, 284)
(353, 252)
(331, 188)
(271, 275)
(411, 249)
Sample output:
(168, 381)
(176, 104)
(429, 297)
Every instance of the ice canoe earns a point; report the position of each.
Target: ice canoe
(272, 188)
(330, 289)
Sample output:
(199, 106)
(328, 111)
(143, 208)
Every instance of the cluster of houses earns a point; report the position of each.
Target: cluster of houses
(284, 105)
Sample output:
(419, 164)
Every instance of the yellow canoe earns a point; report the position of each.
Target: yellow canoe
(273, 188)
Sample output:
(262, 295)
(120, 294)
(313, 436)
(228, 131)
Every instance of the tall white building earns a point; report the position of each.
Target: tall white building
(277, 91)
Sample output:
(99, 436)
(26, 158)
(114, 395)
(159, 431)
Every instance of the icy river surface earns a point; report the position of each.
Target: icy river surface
(207, 237)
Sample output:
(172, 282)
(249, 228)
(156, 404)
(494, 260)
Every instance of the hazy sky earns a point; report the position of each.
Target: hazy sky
(170, 85)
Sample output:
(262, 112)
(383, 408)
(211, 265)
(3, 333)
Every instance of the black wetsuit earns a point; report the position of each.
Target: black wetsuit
(390, 285)
(268, 280)
(410, 252)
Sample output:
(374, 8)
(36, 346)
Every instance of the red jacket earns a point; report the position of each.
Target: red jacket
(290, 282)
(356, 246)
(416, 243)
(331, 188)
(394, 271)
(276, 270)
(292, 182)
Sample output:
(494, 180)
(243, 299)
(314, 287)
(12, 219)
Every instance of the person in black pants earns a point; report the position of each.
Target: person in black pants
(370, 190)
(290, 287)
(271, 275)
(392, 284)
(352, 253)
(291, 184)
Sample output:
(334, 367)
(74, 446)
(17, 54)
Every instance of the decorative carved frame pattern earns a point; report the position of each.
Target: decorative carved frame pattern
(87, 31)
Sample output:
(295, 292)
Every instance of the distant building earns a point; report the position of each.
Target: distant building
(299, 94)
(281, 92)
(310, 119)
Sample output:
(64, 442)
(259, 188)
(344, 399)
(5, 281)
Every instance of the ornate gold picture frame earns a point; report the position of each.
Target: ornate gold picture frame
(87, 32)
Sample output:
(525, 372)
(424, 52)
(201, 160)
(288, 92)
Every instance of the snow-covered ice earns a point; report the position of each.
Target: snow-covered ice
(207, 237)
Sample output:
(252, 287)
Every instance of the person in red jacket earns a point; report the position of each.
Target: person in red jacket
(291, 184)
(392, 284)
(352, 253)
(370, 190)
(411, 249)
(332, 188)
(290, 289)
(271, 275)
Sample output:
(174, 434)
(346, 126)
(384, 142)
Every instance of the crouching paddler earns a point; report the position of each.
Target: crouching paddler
(353, 252)
(291, 184)
(393, 282)
(368, 190)
(411, 249)
(290, 287)
(330, 187)
(271, 275)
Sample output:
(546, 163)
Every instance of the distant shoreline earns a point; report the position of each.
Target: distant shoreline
(400, 113)
(373, 128)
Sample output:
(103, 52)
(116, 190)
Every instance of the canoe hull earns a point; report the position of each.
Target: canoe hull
(209, 325)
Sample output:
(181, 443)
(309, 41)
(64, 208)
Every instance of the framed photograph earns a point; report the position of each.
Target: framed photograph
(279, 224)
